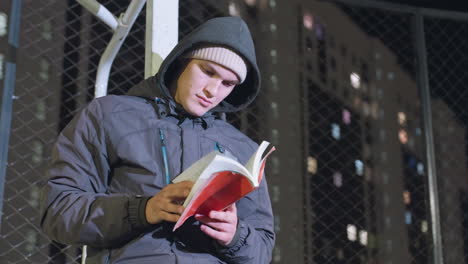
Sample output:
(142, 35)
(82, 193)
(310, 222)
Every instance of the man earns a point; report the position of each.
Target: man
(109, 181)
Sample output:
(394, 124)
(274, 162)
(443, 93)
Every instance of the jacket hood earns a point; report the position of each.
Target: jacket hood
(231, 32)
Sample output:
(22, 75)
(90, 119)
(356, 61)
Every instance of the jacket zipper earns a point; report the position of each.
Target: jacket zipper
(164, 155)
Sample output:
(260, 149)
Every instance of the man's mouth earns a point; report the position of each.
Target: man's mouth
(203, 101)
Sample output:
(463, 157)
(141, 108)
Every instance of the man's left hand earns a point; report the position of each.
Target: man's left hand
(220, 225)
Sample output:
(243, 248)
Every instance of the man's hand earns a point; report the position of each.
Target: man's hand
(220, 225)
(165, 205)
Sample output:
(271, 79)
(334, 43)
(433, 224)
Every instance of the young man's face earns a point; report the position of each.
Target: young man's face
(203, 85)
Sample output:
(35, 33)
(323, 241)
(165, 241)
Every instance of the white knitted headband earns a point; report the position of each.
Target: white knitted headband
(222, 56)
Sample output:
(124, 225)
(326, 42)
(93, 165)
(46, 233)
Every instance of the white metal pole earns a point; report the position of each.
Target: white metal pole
(162, 31)
(101, 12)
(126, 21)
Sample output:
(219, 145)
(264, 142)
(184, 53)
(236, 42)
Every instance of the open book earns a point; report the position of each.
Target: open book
(220, 181)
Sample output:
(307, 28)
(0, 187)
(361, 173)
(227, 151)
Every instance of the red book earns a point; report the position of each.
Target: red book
(220, 181)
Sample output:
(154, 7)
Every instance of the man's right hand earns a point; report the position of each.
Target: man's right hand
(165, 205)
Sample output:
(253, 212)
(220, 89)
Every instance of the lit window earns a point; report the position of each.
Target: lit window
(340, 254)
(411, 142)
(273, 54)
(250, 2)
(371, 241)
(233, 10)
(277, 254)
(378, 74)
(274, 136)
(40, 110)
(31, 240)
(388, 221)
(357, 102)
(319, 31)
(359, 167)
(352, 232)
(424, 226)
(308, 21)
(418, 131)
(403, 136)
(412, 163)
(366, 108)
(46, 30)
(3, 24)
(275, 193)
(408, 218)
(275, 164)
(273, 27)
(44, 66)
(389, 245)
(272, 3)
(34, 196)
(420, 168)
(355, 80)
(401, 118)
(335, 131)
(375, 110)
(346, 117)
(277, 223)
(338, 179)
(382, 114)
(2, 59)
(391, 76)
(363, 237)
(385, 177)
(37, 151)
(406, 197)
(312, 165)
(386, 199)
(383, 156)
(274, 82)
(274, 110)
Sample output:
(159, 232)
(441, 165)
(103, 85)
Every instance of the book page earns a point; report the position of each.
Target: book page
(193, 172)
(253, 165)
(218, 164)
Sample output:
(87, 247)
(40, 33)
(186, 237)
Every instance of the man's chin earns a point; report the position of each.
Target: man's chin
(198, 113)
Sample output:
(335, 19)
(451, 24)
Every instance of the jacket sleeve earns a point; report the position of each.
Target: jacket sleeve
(75, 205)
(255, 237)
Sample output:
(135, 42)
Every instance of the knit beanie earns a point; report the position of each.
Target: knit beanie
(223, 56)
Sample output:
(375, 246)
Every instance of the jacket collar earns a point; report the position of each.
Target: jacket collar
(167, 107)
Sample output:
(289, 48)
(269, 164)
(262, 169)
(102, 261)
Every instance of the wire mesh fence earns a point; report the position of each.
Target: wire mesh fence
(367, 199)
(365, 184)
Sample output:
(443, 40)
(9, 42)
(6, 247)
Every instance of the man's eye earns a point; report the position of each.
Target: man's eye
(228, 84)
(208, 72)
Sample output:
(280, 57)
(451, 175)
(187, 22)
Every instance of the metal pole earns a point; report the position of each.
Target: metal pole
(126, 21)
(7, 97)
(162, 31)
(423, 81)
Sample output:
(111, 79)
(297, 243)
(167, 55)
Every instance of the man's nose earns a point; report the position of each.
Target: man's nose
(211, 88)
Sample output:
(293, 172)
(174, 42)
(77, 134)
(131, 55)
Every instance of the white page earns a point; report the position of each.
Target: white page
(194, 171)
(219, 163)
(253, 165)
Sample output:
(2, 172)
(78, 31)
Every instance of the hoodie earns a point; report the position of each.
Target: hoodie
(107, 163)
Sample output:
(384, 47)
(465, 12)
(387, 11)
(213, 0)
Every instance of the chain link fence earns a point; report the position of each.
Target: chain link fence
(368, 163)
(366, 169)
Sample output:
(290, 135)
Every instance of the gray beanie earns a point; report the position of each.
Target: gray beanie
(222, 56)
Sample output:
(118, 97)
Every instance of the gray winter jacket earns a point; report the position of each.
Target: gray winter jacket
(107, 163)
